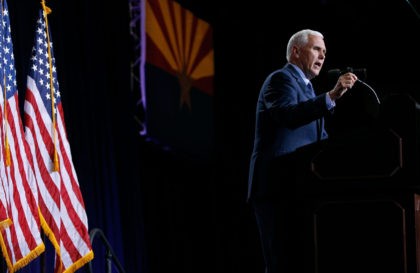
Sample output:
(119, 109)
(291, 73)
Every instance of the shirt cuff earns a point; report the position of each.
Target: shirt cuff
(329, 101)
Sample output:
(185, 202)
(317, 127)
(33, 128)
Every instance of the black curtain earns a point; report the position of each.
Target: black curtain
(161, 210)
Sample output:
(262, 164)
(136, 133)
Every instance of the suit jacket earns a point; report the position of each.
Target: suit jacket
(288, 116)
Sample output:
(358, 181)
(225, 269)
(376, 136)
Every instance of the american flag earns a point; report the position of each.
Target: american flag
(21, 242)
(5, 220)
(63, 215)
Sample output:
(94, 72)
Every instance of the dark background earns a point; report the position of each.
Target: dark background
(165, 211)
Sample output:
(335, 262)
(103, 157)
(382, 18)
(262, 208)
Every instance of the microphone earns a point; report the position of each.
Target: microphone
(359, 72)
(335, 73)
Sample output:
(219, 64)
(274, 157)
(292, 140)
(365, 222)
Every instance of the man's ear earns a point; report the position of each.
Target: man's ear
(295, 51)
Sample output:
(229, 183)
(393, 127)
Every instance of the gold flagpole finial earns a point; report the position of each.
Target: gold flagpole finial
(46, 9)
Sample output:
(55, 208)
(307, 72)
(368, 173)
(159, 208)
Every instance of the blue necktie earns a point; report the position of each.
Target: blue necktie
(310, 89)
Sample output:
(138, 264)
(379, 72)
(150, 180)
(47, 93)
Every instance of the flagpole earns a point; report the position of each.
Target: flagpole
(42, 262)
(47, 11)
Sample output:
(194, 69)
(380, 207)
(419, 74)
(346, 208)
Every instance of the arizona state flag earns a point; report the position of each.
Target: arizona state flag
(179, 74)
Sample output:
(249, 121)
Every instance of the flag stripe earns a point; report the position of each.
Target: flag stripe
(49, 189)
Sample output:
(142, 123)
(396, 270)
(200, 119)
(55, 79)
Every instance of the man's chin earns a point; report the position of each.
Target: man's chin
(315, 73)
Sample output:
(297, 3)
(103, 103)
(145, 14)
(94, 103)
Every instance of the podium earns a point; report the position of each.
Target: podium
(359, 194)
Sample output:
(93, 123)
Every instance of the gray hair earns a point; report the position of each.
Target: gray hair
(300, 38)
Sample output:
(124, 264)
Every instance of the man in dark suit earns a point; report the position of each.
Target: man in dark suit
(289, 115)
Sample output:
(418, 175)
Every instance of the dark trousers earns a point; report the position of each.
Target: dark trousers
(279, 223)
(279, 217)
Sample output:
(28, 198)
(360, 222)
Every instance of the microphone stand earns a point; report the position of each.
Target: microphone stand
(414, 10)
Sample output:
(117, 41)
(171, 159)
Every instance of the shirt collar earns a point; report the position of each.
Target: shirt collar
(302, 75)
